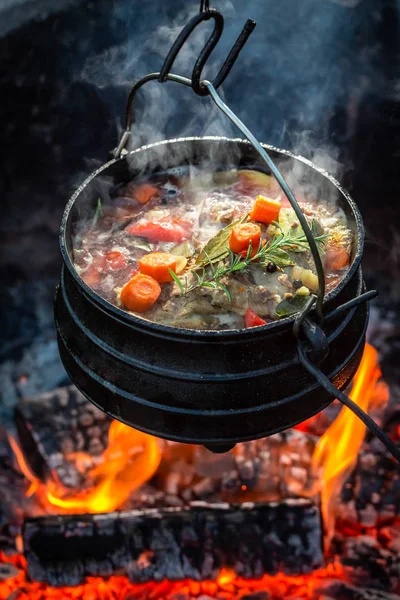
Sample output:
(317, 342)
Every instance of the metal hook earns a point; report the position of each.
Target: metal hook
(207, 49)
(204, 5)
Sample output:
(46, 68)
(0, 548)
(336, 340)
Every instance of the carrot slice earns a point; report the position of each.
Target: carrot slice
(140, 293)
(156, 264)
(242, 235)
(253, 320)
(144, 192)
(336, 258)
(265, 210)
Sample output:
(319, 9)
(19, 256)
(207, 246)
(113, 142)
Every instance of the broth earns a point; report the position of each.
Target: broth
(208, 250)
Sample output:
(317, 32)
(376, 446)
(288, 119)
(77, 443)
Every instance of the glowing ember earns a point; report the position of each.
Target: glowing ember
(130, 459)
(227, 586)
(338, 448)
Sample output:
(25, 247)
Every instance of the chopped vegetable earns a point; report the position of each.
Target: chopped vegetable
(290, 306)
(191, 227)
(242, 235)
(157, 265)
(257, 178)
(91, 276)
(185, 249)
(181, 262)
(140, 293)
(306, 276)
(336, 258)
(302, 291)
(166, 230)
(265, 210)
(217, 247)
(115, 259)
(253, 320)
(144, 192)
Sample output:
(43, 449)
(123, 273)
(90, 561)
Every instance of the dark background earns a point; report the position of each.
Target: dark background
(319, 77)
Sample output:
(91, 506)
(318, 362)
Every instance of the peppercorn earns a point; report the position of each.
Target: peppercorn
(297, 284)
(271, 267)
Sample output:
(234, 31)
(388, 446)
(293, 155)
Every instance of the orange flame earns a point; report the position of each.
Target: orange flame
(130, 459)
(338, 448)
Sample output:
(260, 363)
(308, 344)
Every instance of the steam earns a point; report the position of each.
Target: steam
(301, 65)
(298, 83)
(170, 109)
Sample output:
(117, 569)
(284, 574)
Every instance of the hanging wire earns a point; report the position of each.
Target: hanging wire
(301, 323)
(346, 401)
(299, 213)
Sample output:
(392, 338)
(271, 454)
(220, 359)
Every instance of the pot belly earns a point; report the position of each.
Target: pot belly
(192, 391)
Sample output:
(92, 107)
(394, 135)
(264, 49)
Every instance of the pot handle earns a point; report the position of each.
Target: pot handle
(120, 149)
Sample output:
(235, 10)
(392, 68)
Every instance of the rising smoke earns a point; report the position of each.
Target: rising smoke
(302, 67)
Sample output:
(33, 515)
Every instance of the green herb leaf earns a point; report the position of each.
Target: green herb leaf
(141, 243)
(217, 247)
(98, 212)
(225, 290)
(291, 306)
(185, 249)
(279, 257)
(177, 280)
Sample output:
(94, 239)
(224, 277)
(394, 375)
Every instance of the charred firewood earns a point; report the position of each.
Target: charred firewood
(372, 493)
(13, 488)
(54, 426)
(176, 543)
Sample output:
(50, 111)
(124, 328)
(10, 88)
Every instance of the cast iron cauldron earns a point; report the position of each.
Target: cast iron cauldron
(207, 387)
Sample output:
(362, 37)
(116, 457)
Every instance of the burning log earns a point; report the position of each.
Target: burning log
(176, 543)
(55, 426)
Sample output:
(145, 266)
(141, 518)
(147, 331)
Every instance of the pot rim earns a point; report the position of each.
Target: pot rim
(163, 330)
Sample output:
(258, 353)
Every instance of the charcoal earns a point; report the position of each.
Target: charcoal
(372, 564)
(372, 493)
(269, 469)
(340, 590)
(193, 542)
(53, 426)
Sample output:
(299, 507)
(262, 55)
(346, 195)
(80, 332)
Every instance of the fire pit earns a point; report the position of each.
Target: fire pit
(167, 520)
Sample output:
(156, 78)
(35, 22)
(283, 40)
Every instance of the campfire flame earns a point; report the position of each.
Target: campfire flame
(337, 449)
(130, 459)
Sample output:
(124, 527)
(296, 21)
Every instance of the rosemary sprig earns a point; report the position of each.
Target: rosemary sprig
(275, 252)
(98, 212)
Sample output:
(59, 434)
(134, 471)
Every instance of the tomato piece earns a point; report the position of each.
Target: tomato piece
(115, 259)
(91, 276)
(336, 258)
(253, 320)
(166, 230)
